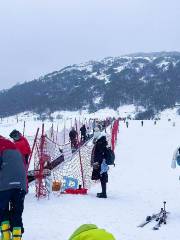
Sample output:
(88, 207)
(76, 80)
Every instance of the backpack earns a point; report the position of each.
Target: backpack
(110, 157)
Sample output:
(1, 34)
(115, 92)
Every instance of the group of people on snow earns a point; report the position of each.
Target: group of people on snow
(14, 161)
(14, 157)
(73, 136)
(85, 132)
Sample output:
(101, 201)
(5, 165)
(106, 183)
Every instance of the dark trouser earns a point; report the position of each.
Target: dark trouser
(83, 138)
(26, 158)
(13, 198)
(104, 180)
(74, 143)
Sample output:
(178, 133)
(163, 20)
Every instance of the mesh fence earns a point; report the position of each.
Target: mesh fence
(56, 162)
(76, 166)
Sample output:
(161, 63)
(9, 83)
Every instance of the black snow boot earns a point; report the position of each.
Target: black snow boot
(103, 186)
(98, 194)
(102, 195)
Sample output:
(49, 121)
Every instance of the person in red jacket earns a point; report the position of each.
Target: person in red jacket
(21, 144)
(13, 188)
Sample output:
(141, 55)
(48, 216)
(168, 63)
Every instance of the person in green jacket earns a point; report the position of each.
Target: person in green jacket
(91, 232)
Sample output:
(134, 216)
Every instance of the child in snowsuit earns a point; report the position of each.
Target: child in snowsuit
(13, 188)
(91, 232)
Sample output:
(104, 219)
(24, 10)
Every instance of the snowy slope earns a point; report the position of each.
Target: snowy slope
(140, 182)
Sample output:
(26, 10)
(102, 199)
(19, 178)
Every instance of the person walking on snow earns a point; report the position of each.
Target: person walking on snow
(21, 144)
(98, 162)
(13, 188)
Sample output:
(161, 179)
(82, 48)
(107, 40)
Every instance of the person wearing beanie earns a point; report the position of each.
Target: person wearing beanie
(21, 144)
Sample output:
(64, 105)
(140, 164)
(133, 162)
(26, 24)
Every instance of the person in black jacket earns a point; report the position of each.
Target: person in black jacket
(73, 135)
(83, 133)
(98, 162)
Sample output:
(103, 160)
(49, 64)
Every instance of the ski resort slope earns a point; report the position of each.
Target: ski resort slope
(138, 185)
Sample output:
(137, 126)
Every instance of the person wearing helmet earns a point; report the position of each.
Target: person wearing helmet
(21, 144)
(91, 232)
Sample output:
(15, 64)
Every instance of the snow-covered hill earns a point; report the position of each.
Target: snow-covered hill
(148, 80)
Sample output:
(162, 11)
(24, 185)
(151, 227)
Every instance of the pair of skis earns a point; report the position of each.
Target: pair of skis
(160, 218)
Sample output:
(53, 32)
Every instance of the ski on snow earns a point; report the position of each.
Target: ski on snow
(150, 218)
(159, 217)
(162, 218)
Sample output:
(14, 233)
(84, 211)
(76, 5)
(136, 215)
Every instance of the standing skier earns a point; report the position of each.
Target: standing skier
(142, 123)
(12, 189)
(98, 162)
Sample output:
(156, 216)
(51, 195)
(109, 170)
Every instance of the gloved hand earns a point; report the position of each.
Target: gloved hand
(95, 165)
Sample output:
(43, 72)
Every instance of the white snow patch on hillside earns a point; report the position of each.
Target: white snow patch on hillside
(97, 100)
(143, 79)
(164, 65)
(81, 67)
(120, 68)
(129, 110)
(140, 67)
(104, 77)
(170, 113)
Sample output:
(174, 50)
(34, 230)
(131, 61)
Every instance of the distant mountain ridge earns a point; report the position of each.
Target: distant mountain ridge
(151, 80)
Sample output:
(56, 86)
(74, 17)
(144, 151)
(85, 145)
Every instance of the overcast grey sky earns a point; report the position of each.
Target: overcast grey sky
(40, 36)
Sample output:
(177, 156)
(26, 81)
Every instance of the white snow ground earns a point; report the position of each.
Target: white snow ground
(138, 185)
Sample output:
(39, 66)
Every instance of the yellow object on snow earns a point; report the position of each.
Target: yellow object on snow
(91, 232)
